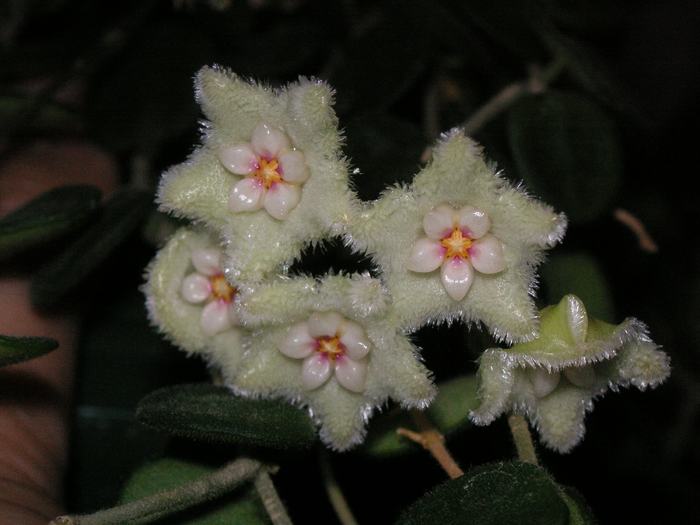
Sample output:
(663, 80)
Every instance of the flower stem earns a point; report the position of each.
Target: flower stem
(271, 499)
(434, 442)
(161, 504)
(523, 439)
(335, 494)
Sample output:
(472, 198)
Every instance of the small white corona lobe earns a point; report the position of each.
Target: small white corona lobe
(324, 324)
(215, 318)
(268, 141)
(298, 343)
(486, 255)
(353, 337)
(351, 374)
(474, 220)
(195, 288)
(543, 381)
(239, 159)
(247, 195)
(426, 256)
(281, 198)
(457, 277)
(315, 370)
(207, 261)
(439, 222)
(293, 166)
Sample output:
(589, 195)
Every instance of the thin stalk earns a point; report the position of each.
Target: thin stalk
(335, 494)
(523, 439)
(271, 499)
(150, 508)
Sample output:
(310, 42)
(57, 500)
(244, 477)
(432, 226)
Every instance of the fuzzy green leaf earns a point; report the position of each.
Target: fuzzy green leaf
(46, 218)
(579, 274)
(579, 511)
(206, 412)
(567, 151)
(492, 495)
(120, 217)
(241, 507)
(17, 349)
(448, 413)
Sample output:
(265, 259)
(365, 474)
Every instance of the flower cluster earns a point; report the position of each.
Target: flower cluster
(268, 179)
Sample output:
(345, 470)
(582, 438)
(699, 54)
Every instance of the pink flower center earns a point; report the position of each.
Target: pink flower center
(221, 290)
(457, 244)
(268, 172)
(331, 347)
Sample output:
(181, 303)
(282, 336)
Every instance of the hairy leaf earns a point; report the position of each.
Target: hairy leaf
(48, 217)
(17, 349)
(206, 412)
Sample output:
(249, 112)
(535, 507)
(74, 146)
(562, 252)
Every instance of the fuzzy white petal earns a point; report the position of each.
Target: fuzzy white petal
(426, 255)
(577, 318)
(474, 220)
(239, 159)
(207, 261)
(324, 324)
(195, 288)
(268, 141)
(293, 165)
(233, 316)
(543, 382)
(581, 376)
(457, 277)
(354, 338)
(281, 198)
(439, 221)
(215, 318)
(298, 343)
(247, 195)
(351, 374)
(315, 371)
(486, 255)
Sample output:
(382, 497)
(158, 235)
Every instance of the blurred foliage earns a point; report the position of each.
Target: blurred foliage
(607, 132)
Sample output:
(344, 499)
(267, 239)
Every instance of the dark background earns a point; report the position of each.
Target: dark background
(119, 74)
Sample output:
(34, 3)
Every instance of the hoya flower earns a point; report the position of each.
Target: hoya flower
(485, 235)
(189, 299)
(329, 346)
(458, 242)
(269, 176)
(274, 172)
(554, 379)
(207, 284)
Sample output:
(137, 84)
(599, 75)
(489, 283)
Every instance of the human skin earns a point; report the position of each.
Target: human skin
(35, 396)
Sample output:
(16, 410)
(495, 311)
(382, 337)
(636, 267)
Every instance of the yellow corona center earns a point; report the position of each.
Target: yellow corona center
(268, 172)
(456, 244)
(330, 346)
(221, 289)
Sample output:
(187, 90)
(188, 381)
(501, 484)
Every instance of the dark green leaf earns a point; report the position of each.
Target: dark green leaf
(17, 349)
(385, 149)
(579, 511)
(566, 149)
(242, 507)
(46, 218)
(448, 413)
(212, 413)
(121, 216)
(492, 495)
(579, 274)
(148, 98)
(379, 65)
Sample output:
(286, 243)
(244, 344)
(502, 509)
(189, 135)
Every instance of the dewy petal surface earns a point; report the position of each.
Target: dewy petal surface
(543, 382)
(439, 222)
(215, 317)
(239, 159)
(324, 324)
(475, 221)
(486, 255)
(195, 288)
(267, 141)
(351, 374)
(457, 277)
(298, 343)
(426, 255)
(281, 199)
(355, 340)
(294, 168)
(207, 261)
(315, 371)
(247, 195)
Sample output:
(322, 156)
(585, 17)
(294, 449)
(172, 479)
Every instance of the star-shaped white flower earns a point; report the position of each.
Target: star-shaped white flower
(460, 215)
(329, 346)
(274, 170)
(207, 284)
(269, 176)
(554, 379)
(189, 299)
(458, 242)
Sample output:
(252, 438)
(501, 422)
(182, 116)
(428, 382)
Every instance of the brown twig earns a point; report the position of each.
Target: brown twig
(433, 441)
(646, 242)
(523, 439)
